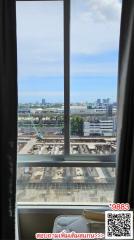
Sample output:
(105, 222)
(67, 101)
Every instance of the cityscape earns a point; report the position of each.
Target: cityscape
(93, 70)
(93, 128)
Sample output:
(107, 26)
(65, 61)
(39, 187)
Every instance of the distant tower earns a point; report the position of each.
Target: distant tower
(109, 110)
(43, 101)
(98, 101)
(106, 101)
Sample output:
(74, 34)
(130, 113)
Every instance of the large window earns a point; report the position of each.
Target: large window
(93, 83)
(67, 112)
(40, 77)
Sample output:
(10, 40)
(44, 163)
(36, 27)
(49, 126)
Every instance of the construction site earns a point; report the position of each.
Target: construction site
(55, 145)
(45, 136)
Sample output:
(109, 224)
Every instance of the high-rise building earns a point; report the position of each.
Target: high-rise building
(98, 101)
(106, 101)
(43, 101)
(109, 110)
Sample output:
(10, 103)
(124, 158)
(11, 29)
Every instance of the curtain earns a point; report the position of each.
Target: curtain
(8, 118)
(124, 192)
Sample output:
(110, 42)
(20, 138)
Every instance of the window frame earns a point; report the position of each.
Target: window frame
(67, 159)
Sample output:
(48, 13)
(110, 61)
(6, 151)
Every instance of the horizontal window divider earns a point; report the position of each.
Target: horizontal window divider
(64, 161)
(38, 207)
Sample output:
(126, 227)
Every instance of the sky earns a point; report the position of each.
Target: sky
(95, 27)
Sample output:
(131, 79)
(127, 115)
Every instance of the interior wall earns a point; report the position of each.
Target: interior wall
(31, 222)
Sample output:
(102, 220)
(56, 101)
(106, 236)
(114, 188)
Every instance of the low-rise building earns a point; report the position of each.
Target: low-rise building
(99, 128)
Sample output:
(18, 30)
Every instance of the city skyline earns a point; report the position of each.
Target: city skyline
(85, 102)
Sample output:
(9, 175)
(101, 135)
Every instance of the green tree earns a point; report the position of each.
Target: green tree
(77, 126)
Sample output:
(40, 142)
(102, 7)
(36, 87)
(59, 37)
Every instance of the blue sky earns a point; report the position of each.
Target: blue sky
(94, 50)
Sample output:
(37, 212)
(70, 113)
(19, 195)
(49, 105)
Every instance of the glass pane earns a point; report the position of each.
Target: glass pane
(95, 27)
(40, 77)
(65, 185)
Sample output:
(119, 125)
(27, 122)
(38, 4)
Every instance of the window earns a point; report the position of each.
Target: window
(40, 77)
(67, 78)
(66, 185)
(94, 59)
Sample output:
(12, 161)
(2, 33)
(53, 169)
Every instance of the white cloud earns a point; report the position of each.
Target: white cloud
(95, 26)
(94, 69)
(40, 38)
(94, 29)
(104, 10)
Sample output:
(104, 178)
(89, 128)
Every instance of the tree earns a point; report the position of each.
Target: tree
(77, 126)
